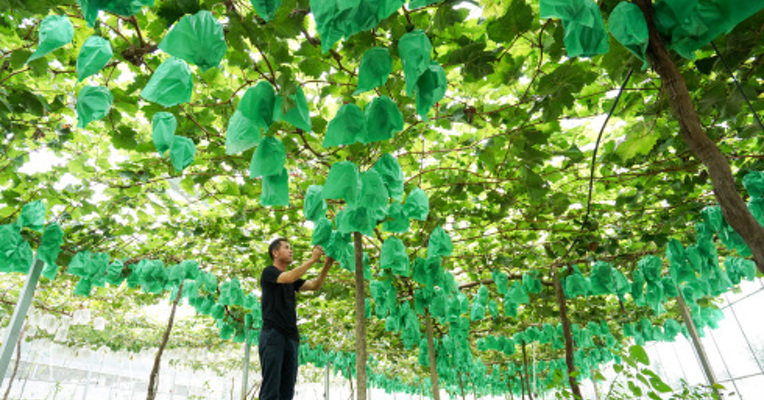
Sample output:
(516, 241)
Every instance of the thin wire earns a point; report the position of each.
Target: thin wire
(739, 88)
(594, 160)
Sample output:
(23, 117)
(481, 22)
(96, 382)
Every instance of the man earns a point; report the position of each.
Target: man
(279, 338)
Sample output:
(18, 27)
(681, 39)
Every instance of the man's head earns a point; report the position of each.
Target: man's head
(280, 250)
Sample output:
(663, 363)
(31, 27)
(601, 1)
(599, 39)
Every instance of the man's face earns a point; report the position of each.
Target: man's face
(284, 253)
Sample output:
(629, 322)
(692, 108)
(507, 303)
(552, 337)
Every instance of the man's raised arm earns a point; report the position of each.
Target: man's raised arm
(293, 275)
(315, 284)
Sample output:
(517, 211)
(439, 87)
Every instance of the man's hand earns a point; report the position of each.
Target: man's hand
(328, 261)
(318, 251)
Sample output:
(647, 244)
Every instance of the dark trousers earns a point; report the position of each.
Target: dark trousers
(278, 359)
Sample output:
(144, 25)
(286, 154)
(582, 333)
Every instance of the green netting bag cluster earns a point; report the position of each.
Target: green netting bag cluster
(322, 232)
(151, 276)
(393, 256)
(356, 219)
(50, 247)
(754, 184)
(417, 205)
(198, 39)
(424, 78)
(55, 32)
(32, 216)
(338, 245)
(531, 282)
(396, 220)
(602, 279)
(501, 280)
(231, 293)
(415, 51)
(628, 26)
(171, 84)
(115, 273)
(388, 167)
(691, 24)
(268, 159)
(125, 8)
(315, 206)
(671, 328)
(378, 122)
(430, 89)
(576, 284)
(338, 19)
(268, 162)
(739, 268)
(182, 152)
(91, 268)
(93, 103)
(179, 273)
(253, 116)
(440, 244)
(297, 113)
(651, 266)
(383, 119)
(517, 294)
(16, 252)
(163, 126)
(479, 304)
(347, 127)
(428, 271)
(376, 66)
(384, 295)
(680, 269)
(374, 196)
(276, 189)
(343, 183)
(585, 33)
(95, 53)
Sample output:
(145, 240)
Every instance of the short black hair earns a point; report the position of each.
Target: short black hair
(275, 245)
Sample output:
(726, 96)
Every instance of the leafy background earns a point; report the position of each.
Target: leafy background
(504, 157)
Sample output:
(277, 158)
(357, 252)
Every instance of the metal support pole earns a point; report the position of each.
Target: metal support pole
(19, 313)
(245, 378)
(594, 383)
(698, 345)
(326, 382)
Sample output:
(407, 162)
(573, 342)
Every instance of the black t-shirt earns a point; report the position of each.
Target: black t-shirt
(278, 304)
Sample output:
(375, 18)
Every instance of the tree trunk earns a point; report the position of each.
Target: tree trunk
(522, 385)
(566, 333)
(433, 358)
(360, 320)
(733, 207)
(527, 376)
(154, 377)
(15, 365)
